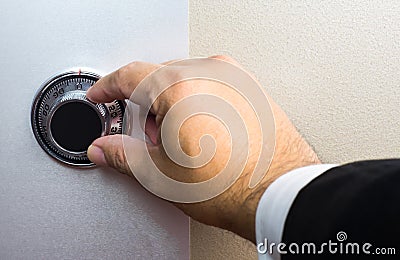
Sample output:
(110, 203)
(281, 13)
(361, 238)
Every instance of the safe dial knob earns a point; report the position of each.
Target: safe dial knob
(65, 122)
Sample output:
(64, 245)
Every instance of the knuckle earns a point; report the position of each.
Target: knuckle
(224, 57)
(124, 74)
(133, 66)
(174, 94)
(120, 77)
(174, 74)
(119, 161)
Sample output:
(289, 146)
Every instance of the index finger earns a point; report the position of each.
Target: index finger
(121, 83)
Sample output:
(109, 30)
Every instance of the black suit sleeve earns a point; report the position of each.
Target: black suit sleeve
(361, 199)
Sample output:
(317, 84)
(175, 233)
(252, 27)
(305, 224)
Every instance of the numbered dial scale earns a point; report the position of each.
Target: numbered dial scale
(65, 122)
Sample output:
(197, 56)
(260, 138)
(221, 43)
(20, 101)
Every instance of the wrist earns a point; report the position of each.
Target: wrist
(291, 153)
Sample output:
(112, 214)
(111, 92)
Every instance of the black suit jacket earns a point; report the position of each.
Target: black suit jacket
(354, 203)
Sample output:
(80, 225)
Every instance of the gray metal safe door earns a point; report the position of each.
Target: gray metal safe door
(49, 210)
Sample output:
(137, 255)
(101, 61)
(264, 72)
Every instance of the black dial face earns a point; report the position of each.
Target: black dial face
(75, 125)
(65, 122)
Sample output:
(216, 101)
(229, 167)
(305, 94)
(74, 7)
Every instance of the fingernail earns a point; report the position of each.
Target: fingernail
(96, 155)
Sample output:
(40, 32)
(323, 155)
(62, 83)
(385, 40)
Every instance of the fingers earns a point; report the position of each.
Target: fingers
(121, 83)
(109, 151)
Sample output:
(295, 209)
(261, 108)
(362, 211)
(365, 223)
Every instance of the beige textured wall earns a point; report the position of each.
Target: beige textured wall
(332, 65)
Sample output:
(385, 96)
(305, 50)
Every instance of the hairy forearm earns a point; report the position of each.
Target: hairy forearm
(291, 152)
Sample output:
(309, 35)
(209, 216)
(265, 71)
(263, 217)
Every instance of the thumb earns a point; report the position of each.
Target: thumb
(109, 151)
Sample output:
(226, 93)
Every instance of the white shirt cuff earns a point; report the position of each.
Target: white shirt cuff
(275, 204)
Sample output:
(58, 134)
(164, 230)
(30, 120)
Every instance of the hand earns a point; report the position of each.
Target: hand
(233, 209)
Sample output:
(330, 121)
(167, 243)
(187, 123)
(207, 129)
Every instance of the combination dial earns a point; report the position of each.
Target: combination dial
(65, 122)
